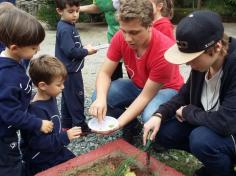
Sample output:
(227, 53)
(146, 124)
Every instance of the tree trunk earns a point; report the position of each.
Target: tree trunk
(199, 4)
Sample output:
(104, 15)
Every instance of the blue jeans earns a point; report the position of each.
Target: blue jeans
(123, 92)
(217, 153)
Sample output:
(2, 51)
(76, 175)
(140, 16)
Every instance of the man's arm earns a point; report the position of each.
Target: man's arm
(92, 8)
(149, 91)
(99, 106)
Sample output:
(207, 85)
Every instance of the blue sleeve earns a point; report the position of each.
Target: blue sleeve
(47, 142)
(13, 113)
(68, 46)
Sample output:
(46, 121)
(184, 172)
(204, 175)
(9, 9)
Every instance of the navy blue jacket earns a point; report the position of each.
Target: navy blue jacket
(2, 47)
(15, 95)
(222, 121)
(46, 150)
(69, 47)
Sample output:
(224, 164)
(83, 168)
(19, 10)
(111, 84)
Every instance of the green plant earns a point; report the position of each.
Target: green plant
(47, 13)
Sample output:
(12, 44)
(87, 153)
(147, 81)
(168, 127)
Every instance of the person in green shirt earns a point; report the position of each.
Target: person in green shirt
(106, 7)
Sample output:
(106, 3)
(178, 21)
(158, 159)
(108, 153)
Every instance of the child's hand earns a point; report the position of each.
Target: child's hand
(47, 126)
(91, 49)
(74, 133)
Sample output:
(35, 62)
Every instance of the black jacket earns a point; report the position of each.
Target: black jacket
(222, 121)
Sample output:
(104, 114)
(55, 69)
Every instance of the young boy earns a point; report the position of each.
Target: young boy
(70, 51)
(47, 150)
(21, 34)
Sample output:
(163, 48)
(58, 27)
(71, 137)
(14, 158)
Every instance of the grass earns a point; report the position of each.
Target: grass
(177, 159)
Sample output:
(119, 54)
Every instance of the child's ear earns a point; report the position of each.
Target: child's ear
(59, 11)
(160, 6)
(13, 47)
(42, 85)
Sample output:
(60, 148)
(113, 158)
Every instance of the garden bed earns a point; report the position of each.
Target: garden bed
(108, 158)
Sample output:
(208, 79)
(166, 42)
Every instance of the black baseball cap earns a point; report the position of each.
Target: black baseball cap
(195, 33)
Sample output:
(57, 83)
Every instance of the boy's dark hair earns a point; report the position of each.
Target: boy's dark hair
(46, 68)
(20, 28)
(61, 4)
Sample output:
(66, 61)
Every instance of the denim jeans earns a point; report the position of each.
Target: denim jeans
(217, 153)
(123, 92)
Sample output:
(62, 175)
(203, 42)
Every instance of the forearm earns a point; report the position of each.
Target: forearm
(92, 8)
(149, 91)
(102, 85)
(133, 110)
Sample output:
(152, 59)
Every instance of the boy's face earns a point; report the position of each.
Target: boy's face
(203, 62)
(69, 14)
(136, 35)
(55, 87)
(25, 52)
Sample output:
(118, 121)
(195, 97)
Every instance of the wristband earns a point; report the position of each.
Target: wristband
(157, 115)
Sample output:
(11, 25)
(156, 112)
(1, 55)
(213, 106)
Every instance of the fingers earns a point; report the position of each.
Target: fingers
(145, 133)
(100, 113)
(179, 118)
(154, 133)
(47, 126)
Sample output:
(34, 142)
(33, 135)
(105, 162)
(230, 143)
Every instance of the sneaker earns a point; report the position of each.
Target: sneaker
(129, 134)
(159, 148)
(201, 172)
(85, 129)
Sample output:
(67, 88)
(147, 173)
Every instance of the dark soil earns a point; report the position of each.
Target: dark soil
(107, 167)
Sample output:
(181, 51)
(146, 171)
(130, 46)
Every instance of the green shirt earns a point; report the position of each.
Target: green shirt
(107, 8)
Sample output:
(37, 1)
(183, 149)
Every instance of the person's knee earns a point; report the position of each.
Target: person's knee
(146, 115)
(197, 141)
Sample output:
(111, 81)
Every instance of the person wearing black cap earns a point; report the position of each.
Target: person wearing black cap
(201, 118)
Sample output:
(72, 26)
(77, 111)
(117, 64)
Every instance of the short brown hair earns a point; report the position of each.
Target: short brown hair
(46, 68)
(4, 6)
(20, 28)
(225, 45)
(136, 9)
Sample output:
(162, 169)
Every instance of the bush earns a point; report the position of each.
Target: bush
(47, 13)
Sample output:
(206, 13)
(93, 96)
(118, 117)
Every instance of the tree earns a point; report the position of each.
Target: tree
(199, 4)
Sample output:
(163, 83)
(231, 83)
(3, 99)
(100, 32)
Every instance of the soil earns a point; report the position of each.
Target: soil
(107, 167)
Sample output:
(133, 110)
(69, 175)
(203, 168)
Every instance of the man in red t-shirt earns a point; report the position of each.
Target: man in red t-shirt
(152, 81)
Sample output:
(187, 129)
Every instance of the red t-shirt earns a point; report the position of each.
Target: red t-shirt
(151, 64)
(165, 26)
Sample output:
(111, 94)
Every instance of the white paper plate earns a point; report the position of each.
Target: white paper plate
(102, 46)
(109, 123)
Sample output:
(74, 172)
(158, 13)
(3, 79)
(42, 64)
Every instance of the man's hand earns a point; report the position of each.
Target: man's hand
(47, 126)
(74, 133)
(98, 109)
(179, 114)
(152, 124)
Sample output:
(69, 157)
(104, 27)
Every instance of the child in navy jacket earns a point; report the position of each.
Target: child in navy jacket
(21, 34)
(43, 151)
(70, 51)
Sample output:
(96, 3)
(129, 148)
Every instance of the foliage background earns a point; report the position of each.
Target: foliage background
(226, 8)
